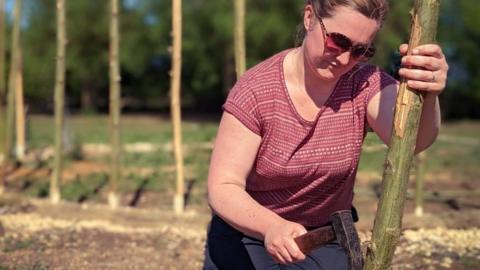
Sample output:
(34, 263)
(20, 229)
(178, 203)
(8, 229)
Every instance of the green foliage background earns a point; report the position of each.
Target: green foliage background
(208, 64)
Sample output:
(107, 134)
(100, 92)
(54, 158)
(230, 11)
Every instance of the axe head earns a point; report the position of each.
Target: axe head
(347, 236)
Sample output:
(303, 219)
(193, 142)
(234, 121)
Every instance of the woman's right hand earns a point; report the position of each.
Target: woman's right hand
(280, 243)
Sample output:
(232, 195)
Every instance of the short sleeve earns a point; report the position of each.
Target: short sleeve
(243, 105)
(371, 80)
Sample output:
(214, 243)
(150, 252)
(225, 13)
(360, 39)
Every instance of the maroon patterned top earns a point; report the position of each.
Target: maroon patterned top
(304, 170)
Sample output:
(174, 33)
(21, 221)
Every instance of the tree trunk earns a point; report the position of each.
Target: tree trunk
(419, 183)
(388, 220)
(240, 64)
(59, 102)
(2, 96)
(175, 105)
(19, 109)
(15, 59)
(115, 105)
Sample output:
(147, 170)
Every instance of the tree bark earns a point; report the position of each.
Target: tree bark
(175, 105)
(115, 105)
(240, 61)
(388, 220)
(2, 96)
(59, 100)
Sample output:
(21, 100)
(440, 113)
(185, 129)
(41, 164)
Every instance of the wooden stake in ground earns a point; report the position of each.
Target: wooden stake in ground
(388, 220)
(115, 105)
(19, 110)
(59, 100)
(419, 183)
(15, 60)
(175, 105)
(240, 60)
(2, 96)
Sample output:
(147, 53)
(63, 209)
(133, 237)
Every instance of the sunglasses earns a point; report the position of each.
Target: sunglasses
(337, 43)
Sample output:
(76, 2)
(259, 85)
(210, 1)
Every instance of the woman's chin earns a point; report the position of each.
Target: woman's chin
(325, 74)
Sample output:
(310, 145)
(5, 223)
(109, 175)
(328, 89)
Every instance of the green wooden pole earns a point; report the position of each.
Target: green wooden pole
(115, 105)
(59, 100)
(388, 220)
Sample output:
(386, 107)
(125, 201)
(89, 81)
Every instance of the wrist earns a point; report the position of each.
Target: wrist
(274, 222)
(431, 96)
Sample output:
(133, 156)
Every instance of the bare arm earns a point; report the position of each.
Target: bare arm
(232, 159)
(427, 71)
(380, 112)
(233, 156)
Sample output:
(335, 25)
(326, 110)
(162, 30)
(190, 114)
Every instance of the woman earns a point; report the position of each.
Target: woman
(289, 141)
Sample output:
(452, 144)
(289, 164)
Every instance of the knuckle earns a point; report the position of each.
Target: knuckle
(276, 242)
(271, 249)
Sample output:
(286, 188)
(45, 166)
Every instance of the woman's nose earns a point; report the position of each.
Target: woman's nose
(344, 58)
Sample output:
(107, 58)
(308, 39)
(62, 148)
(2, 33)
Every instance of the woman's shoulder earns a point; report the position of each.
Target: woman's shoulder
(363, 71)
(367, 71)
(369, 79)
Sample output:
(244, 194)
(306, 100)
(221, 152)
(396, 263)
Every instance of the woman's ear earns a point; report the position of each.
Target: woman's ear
(308, 17)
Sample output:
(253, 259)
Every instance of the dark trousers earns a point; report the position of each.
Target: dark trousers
(229, 249)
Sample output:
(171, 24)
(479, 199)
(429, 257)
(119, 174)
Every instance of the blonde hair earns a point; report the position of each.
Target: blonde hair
(373, 9)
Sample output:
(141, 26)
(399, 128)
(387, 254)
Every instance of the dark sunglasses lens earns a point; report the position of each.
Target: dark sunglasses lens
(341, 41)
(362, 51)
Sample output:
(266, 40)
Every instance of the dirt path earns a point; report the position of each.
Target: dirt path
(37, 235)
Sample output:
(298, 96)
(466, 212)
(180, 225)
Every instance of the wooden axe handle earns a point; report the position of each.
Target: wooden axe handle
(315, 238)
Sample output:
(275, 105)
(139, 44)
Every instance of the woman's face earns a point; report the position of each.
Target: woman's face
(328, 62)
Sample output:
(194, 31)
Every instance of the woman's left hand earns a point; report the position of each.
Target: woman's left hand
(425, 69)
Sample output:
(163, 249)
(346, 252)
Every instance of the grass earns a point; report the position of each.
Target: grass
(465, 128)
(36, 266)
(470, 262)
(155, 159)
(36, 187)
(11, 244)
(84, 188)
(461, 160)
(94, 129)
(372, 160)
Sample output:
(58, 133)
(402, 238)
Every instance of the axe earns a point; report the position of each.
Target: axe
(343, 230)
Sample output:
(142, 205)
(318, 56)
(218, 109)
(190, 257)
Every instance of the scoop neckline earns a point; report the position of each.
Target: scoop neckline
(290, 101)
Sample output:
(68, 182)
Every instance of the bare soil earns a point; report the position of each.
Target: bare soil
(35, 234)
